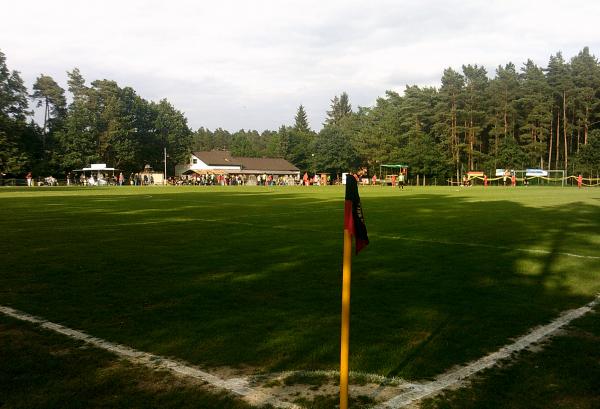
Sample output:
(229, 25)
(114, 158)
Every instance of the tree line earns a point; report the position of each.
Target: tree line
(527, 117)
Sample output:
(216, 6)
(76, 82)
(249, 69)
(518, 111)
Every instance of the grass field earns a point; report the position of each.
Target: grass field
(250, 278)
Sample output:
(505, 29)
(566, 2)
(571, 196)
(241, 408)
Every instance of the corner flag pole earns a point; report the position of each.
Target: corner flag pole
(354, 225)
(345, 344)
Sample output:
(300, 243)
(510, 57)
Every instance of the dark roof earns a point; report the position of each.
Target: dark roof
(224, 158)
(267, 164)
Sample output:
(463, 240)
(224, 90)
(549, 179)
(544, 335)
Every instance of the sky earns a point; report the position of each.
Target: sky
(250, 64)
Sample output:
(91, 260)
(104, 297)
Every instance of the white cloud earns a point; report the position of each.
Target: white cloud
(241, 64)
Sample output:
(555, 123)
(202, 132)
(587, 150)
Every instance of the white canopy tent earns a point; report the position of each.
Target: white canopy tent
(98, 170)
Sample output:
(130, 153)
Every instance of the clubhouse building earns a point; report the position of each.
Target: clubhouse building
(222, 163)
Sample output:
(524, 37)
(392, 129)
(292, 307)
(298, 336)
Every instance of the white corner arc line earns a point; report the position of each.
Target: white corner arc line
(238, 386)
(458, 376)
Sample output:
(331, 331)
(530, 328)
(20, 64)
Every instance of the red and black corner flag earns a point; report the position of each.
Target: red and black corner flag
(354, 221)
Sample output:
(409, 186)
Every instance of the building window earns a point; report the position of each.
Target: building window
(194, 161)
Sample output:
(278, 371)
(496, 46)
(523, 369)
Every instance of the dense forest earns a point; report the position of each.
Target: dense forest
(527, 117)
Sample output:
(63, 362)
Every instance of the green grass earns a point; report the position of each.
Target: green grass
(43, 370)
(564, 375)
(251, 277)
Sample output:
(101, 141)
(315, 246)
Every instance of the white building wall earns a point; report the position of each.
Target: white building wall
(200, 165)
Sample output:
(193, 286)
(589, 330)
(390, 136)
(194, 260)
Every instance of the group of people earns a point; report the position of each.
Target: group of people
(100, 179)
(231, 180)
(207, 180)
(47, 181)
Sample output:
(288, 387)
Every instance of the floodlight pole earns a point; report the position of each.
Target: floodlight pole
(165, 175)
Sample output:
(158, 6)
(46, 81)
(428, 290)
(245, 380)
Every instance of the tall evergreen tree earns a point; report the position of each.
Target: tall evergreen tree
(76, 141)
(559, 79)
(340, 108)
(586, 79)
(449, 108)
(476, 83)
(535, 105)
(503, 96)
(301, 120)
(52, 97)
(15, 133)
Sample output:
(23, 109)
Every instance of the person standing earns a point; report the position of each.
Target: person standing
(579, 181)
(401, 180)
(29, 179)
(513, 180)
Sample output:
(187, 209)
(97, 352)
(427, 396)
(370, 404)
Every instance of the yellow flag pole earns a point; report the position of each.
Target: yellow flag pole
(345, 343)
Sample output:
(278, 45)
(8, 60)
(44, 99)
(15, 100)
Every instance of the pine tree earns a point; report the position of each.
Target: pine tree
(503, 94)
(15, 133)
(449, 108)
(586, 78)
(476, 83)
(559, 79)
(535, 105)
(301, 120)
(340, 108)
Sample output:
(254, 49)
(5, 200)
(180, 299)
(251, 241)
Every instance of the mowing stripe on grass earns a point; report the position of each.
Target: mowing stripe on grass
(457, 376)
(490, 246)
(238, 386)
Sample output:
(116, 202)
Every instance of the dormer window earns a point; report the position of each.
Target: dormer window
(194, 161)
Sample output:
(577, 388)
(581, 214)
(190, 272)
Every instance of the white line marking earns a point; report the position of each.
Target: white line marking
(457, 376)
(238, 386)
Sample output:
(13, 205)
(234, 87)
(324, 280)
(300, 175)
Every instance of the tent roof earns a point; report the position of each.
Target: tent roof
(93, 169)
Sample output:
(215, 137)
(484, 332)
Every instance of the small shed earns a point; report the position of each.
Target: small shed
(153, 177)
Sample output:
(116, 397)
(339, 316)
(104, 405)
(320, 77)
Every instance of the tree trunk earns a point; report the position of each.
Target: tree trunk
(551, 139)
(585, 126)
(454, 133)
(505, 114)
(471, 143)
(565, 129)
(557, 139)
(45, 126)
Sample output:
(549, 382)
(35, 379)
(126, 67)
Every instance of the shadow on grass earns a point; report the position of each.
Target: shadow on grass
(252, 278)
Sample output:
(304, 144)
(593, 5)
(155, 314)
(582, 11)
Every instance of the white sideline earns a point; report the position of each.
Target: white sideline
(457, 376)
(238, 386)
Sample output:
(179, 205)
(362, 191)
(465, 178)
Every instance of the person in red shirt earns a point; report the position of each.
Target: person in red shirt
(513, 180)
(579, 181)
